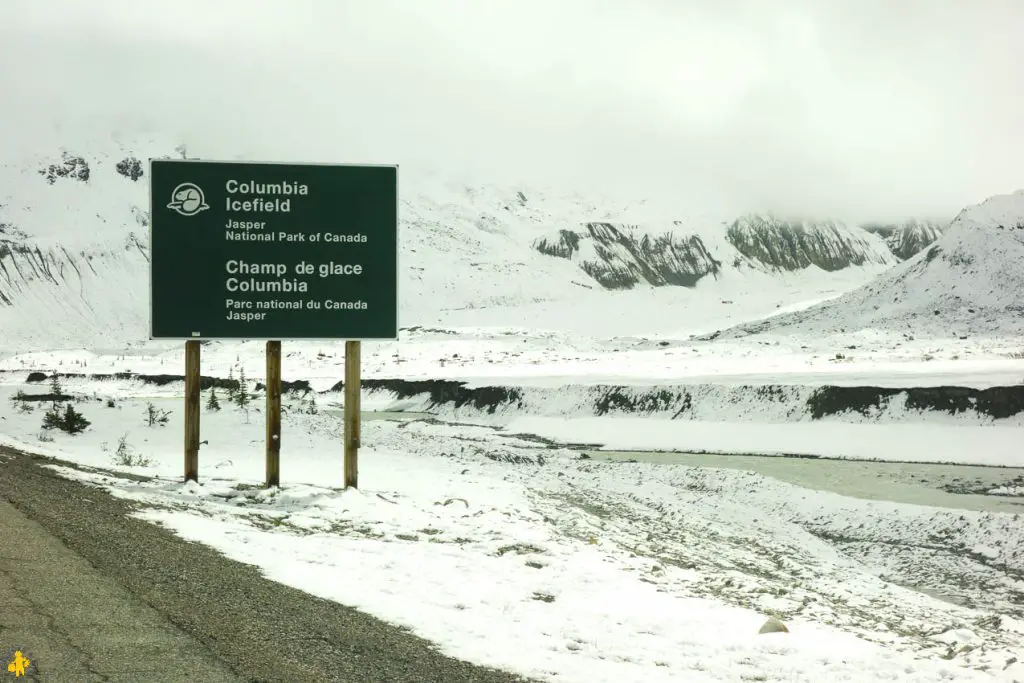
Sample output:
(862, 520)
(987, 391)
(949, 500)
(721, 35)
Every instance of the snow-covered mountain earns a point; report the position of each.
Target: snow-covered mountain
(74, 253)
(907, 239)
(968, 283)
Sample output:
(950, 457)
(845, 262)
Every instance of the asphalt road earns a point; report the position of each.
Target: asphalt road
(90, 594)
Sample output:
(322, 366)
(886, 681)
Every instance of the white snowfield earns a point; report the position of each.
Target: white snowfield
(517, 356)
(573, 570)
(504, 546)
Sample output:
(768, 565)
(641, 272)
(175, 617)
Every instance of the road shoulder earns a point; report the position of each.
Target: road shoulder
(262, 630)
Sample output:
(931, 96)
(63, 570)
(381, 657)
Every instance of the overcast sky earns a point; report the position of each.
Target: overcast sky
(857, 108)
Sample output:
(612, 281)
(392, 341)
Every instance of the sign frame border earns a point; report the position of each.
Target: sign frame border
(332, 340)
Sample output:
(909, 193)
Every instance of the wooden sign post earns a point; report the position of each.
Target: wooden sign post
(352, 413)
(273, 381)
(192, 356)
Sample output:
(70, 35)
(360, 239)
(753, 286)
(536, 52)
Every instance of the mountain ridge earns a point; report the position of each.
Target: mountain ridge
(967, 283)
(910, 237)
(74, 247)
(676, 253)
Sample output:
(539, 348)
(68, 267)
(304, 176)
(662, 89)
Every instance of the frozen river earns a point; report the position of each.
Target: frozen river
(951, 486)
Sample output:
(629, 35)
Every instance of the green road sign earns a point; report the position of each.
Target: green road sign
(244, 250)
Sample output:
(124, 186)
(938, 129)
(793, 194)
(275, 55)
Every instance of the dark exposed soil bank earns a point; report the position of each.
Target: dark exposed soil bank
(798, 402)
(446, 393)
(205, 382)
(825, 401)
(995, 402)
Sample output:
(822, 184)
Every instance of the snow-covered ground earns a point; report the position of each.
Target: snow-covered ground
(516, 555)
(553, 358)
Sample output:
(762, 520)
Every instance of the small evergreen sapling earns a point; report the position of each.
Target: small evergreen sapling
(70, 421)
(59, 416)
(242, 398)
(56, 390)
(213, 403)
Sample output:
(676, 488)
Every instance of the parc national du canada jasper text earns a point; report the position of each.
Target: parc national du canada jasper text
(280, 278)
(275, 250)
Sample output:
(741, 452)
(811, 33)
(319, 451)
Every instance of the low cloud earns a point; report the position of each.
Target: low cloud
(867, 109)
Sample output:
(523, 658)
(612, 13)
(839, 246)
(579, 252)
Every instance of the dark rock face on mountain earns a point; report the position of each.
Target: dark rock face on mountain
(909, 238)
(622, 256)
(70, 166)
(130, 168)
(9, 232)
(793, 245)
